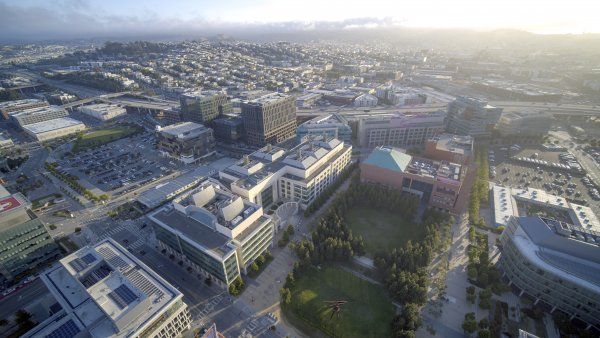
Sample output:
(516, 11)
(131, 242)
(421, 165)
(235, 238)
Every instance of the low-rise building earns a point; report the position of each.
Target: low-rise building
(52, 129)
(451, 148)
(332, 125)
(271, 174)
(308, 100)
(186, 141)
(105, 291)
(22, 118)
(365, 100)
(524, 124)
(216, 232)
(554, 263)
(25, 243)
(399, 130)
(442, 184)
(14, 106)
(103, 111)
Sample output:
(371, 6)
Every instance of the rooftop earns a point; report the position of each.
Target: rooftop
(25, 102)
(183, 130)
(50, 125)
(266, 99)
(37, 111)
(325, 120)
(454, 143)
(389, 158)
(104, 291)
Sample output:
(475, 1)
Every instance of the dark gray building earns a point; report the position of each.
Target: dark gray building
(269, 119)
(471, 116)
(24, 241)
(203, 107)
(185, 141)
(229, 128)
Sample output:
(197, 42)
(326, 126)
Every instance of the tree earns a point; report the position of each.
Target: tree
(254, 267)
(3, 322)
(484, 333)
(484, 323)
(260, 260)
(472, 272)
(485, 297)
(286, 296)
(469, 325)
(23, 320)
(409, 319)
(471, 297)
(290, 280)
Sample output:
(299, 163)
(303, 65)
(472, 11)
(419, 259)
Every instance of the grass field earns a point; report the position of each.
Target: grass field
(103, 136)
(367, 313)
(382, 229)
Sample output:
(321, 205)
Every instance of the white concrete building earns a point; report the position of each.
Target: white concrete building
(38, 114)
(105, 291)
(48, 130)
(103, 111)
(301, 174)
(365, 100)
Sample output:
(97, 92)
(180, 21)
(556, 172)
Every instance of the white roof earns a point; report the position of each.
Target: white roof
(50, 125)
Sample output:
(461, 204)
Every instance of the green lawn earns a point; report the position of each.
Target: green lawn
(103, 136)
(367, 313)
(382, 229)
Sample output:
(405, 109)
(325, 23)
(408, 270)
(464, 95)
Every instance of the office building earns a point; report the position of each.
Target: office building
(399, 130)
(273, 174)
(308, 100)
(25, 243)
(52, 129)
(216, 232)
(471, 116)
(103, 111)
(269, 119)
(229, 129)
(451, 148)
(35, 115)
(443, 185)
(332, 125)
(524, 124)
(555, 264)
(105, 291)
(14, 106)
(204, 106)
(365, 100)
(186, 141)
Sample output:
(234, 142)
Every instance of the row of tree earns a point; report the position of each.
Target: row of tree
(73, 182)
(479, 190)
(404, 272)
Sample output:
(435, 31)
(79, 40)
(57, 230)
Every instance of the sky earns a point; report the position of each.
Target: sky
(39, 19)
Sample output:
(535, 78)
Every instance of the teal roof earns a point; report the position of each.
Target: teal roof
(389, 158)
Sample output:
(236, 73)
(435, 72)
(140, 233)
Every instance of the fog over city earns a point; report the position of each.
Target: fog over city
(287, 168)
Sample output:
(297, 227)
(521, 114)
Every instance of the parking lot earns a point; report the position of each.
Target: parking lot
(575, 187)
(119, 166)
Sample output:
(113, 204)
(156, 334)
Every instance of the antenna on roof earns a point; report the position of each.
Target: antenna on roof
(246, 159)
(299, 153)
(269, 147)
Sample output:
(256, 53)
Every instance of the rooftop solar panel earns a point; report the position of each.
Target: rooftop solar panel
(66, 330)
(89, 258)
(123, 296)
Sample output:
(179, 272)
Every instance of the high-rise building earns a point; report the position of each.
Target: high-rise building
(216, 232)
(229, 128)
(269, 119)
(185, 141)
(554, 263)
(105, 291)
(204, 106)
(24, 241)
(471, 116)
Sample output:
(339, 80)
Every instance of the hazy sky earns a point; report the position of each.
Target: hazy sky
(80, 18)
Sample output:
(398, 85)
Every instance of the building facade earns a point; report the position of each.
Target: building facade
(25, 243)
(332, 125)
(441, 184)
(204, 106)
(273, 174)
(554, 263)
(269, 119)
(216, 232)
(524, 124)
(229, 129)
(186, 141)
(105, 291)
(399, 130)
(471, 116)
(14, 106)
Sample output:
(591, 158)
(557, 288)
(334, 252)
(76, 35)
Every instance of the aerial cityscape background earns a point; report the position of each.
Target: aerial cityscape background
(299, 169)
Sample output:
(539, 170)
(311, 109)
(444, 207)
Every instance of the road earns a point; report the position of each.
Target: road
(18, 299)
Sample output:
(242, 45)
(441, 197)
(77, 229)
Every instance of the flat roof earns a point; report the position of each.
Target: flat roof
(183, 129)
(50, 125)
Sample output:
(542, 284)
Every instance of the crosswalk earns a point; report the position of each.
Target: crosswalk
(112, 231)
